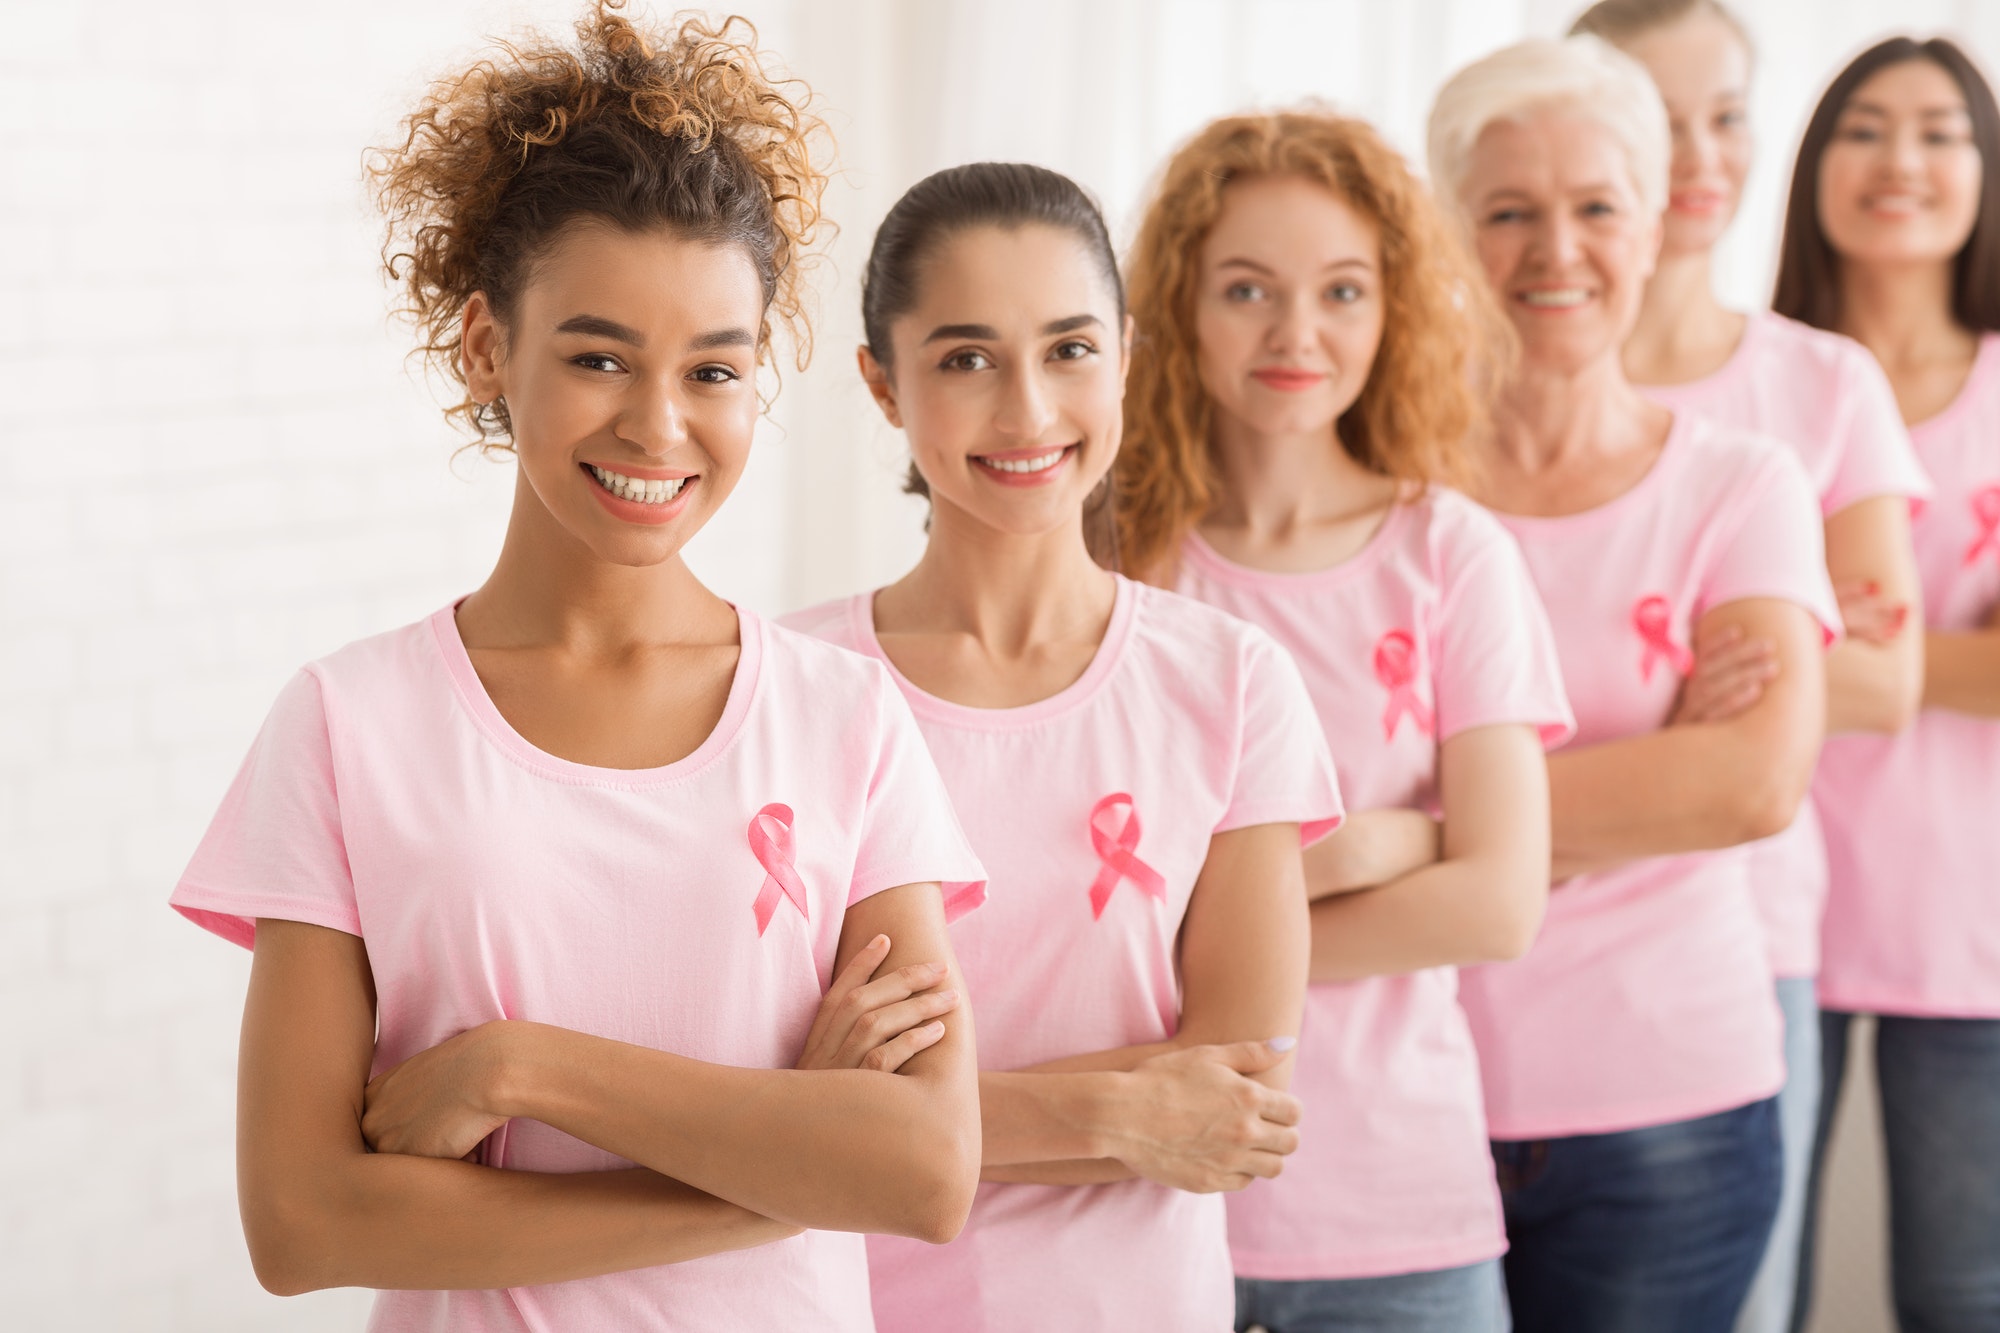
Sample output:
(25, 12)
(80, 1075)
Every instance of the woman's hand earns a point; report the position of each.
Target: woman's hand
(1867, 615)
(1196, 1121)
(1729, 676)
(870, 1022)
(435, 1104)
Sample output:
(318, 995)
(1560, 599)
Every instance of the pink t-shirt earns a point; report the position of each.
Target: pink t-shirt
(387, 797)
(1647, 998)
(1824, 395)
(1189, 723)
(1913, 919)
(1432, 629)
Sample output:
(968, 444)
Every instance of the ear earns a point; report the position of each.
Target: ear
(479, 338)
(1125, 336)
(876, 376)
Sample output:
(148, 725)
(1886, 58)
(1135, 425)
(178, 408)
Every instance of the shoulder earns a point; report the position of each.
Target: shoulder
(1186, 645)
(385, 666)
(1822, 353)
(831, 622)
(1725, 457)
(1457, 526)
(809, 648)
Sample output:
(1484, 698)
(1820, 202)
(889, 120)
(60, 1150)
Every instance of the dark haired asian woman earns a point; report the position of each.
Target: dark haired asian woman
(1893, 238)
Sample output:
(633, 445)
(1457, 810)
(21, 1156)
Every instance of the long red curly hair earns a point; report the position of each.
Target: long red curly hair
(1444, 341)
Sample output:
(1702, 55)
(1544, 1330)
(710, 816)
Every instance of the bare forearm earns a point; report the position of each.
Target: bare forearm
(1451, 914)
(1681, 789)
(1873, 687)
(838, 1149)
(388, 1221)
(1962, 672)
(1372, 848)
(1090, 1171)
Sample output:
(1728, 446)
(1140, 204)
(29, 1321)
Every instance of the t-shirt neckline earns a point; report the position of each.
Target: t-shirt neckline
(1379, 542)
(1110, 650)
(1985, 363)
(479, 705)
(1548, 524)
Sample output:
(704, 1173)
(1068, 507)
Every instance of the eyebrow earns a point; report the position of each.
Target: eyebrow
(596, 326)
(1871, 109)
(1353, 261)
(1071, 324)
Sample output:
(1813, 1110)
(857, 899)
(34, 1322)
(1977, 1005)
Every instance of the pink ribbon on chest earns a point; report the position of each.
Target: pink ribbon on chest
(1114, 847)
(1653, 618)
(771, 844)
(1396, 669)
(1986, 513)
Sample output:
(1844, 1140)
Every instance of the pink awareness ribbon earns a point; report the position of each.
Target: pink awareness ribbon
(771, 843)
(1114, 849)
(1396, 669)
(1653, 618)
(1986, 513)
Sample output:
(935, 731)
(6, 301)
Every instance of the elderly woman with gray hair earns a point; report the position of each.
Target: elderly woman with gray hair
(1631, 1058)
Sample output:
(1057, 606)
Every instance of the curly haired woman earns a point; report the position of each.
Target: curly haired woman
(1307, 375)
(566, 900)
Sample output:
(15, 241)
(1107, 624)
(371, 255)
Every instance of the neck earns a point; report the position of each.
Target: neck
(1276, 487)
(1681, 323)
(1006, 590)
(549, 588)
(1901, 312)
(1547, 417)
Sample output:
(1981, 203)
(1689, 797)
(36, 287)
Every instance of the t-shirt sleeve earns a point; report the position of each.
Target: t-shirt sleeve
(1876, 456)
(909, 832)
(1773, 545)
(1284, 773)
(1496, 661)
(275, 848)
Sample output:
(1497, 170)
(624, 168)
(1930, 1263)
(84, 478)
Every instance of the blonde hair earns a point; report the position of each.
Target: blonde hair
(1583, 74)
(1621, 21)
(1443, 339)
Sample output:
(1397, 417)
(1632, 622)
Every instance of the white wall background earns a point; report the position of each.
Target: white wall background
(214, 465)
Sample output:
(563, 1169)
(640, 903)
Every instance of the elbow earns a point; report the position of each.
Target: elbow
(284, 1255)
(941, 1190)
(1517, 916)
(1768, 809)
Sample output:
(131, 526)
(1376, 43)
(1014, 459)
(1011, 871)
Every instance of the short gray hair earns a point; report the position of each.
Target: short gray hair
(1583, 74)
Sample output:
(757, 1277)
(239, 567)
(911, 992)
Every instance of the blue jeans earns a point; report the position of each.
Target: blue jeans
(1655, 1230)
(1448, 1300)
(1939, 1083)
(1768, 1308)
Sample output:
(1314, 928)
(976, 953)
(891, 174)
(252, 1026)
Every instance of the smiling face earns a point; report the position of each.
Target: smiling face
(1289, 308)
(1560, 228)
(1900, 181)
(629, 371)
(1702, 69)
(1007, 375)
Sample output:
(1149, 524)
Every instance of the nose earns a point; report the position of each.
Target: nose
(1695, 152)
(1557, 239)
(1025, 412)
(653, 418)
(1294, 327)
(1905, 152)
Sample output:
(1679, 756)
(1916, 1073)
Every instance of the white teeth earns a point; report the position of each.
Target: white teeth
(1559, 297)
(637, 489)
(1039, 463)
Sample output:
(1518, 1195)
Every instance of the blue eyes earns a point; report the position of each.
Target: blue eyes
(1341, 293)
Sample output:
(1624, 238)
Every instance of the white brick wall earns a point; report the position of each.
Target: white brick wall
(215, 465)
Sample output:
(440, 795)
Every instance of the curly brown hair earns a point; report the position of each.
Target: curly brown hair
(685, 130)
(1444, 341)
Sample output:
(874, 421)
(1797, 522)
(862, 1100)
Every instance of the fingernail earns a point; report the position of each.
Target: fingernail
(878, 941)
(1282, 1043)
(948, 996)
(935, 1028)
